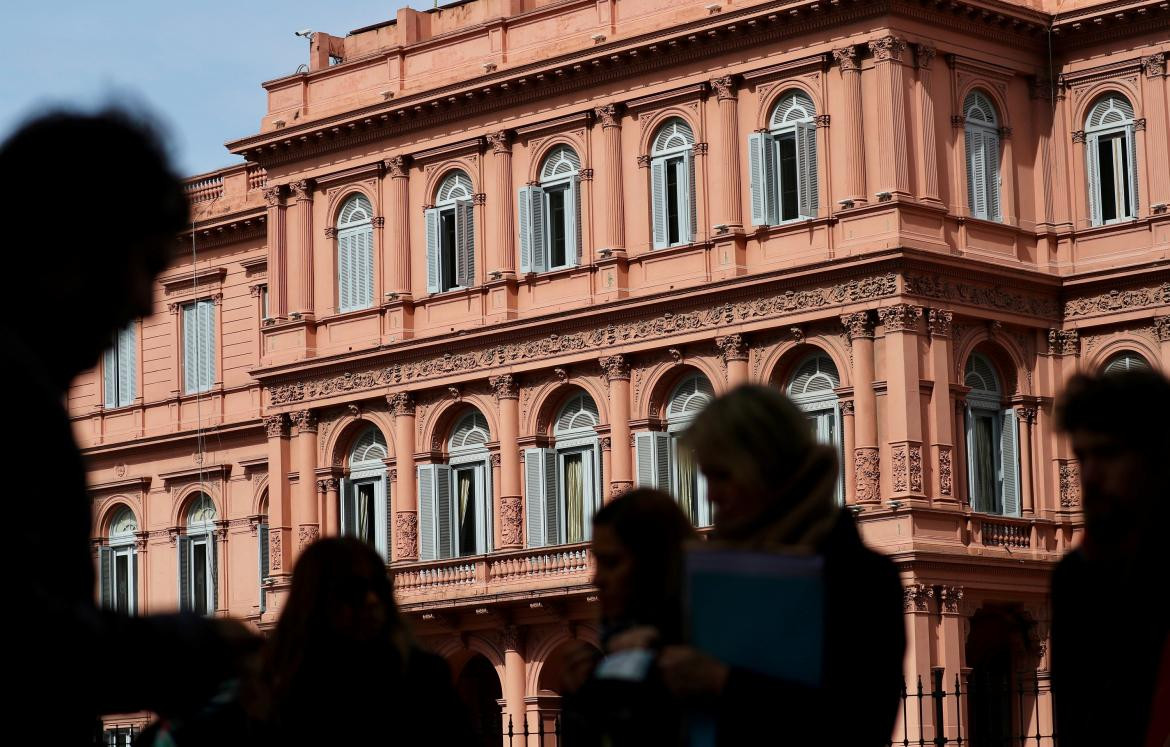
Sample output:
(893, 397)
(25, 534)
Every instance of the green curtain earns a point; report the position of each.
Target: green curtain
(574, 498)
(466, 517)
(984, 463)
(685, 477)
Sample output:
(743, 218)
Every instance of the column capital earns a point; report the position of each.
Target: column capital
(732, 347)
(859, 324)
(900, 317)
(304, 420)
(609, 115)
(938, 322)
(273, 196)
(887, 48)
(401, 403)
(848, 58)
(329, 483)
(1026, 413)
(726, 87)
(302, 189)
(1064, 342)
(848, 407)
(916, 597)
(505, 386)
(1162, 328)
(501, 141)
(1154, 66)
(923, 55)
(949, 598)
(276, 426)
(616, 367)
(398, 167)
(511, 638)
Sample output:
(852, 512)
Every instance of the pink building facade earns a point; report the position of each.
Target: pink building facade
(485, 262)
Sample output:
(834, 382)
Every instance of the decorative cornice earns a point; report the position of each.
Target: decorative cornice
(997, 297)
(858, 324)
(616, 367)
(900, 317)
(200, 472)
(127, 485)
(558, 124)
(887, 49)
(185, 281)
(848, 59)
(504, 386)
(451, 150)
(398, 167)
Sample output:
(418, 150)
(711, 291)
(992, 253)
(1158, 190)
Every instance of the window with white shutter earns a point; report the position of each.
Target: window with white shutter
(673, 193)
(550, 214)
(466, 522)
(365, 491)
(198, 332)
(1125, 361)
(118, 566)
(198, 590)
(576, 472)
(811, 389)
(450, 235)
(1111, 161)
(355, 254)
(981, 135)
(993, 463)
(783, 163)
(120, 368)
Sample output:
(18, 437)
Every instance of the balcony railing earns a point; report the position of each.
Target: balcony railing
(1005, 532)
(205, 190)
(257, 178)
(549, 567)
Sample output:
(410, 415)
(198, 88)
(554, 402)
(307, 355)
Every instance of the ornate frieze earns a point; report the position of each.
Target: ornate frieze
(1070, 484)
(866, 474)
(512, 520)
(976, 294)
(406, 534)
(944, 471)
(1117, 300)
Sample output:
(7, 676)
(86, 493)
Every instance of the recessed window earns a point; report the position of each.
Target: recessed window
(672, 185)
(120, 369)
(1126, 361)
(455, 495)
(198, 333)
(1110, 161)
(355, 255)
(364, 493)
(198, 590)
(663, 464)
(118, 566)
(550, 214)
(450, 229)
(993, 470)
(811, 389)
(783, 163)
(981, 133)
(563, 482)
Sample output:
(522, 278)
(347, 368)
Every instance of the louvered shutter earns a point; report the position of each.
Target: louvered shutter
(345, 271)
(969, 422)
(262, 561)
(806, 158)
(444, 511)
(573, 223)
(658, 202)
(690, 201)
(106, 576)
(110, 376)
(133, 609)
(206, 344)
(388, 520)
(212, 572)
(464, 244)
(1093, 180)
(184, 549)
(432, 221)
(534, 496)
(190, 349)
(552, 500)
(127, 360)
(426, 511)
(364, 262)
(976, 174)
(762, 177)
(653, 459)
(531, 209)
(991, 169)
(1131, 142)
(1009, 454)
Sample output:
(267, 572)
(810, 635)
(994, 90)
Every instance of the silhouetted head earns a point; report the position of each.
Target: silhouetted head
(638, 541)
(1117, 424)
(90, 206)
(757, 452)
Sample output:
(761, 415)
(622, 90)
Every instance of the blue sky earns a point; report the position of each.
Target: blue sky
(196, 66)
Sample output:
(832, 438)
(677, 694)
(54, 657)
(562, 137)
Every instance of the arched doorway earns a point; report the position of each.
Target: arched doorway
(997, 688)
(478, 686)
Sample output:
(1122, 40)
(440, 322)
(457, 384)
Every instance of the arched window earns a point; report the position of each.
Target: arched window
(662, 464)
(550, 214)
(1111, 160)
(198, 586)
(783, 163)
(263, 551)
(1125, 361)
(455, 496)
(563, 482)
(672, 185)
(451, 236)
(993, 469)
(981, 133)
(118, 564)
(811, 390)
(365, 493)
(355, 254)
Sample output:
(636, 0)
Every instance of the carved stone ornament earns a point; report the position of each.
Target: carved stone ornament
(276, 425)
(505, 386)
(1063, 342)
(848, 407)
(939, 322)
(924, 55)
(479, 198)
(324, 485)
(888, 49)
(618, 487)
(1026, 414)
(616, 367)
(949, 598)
(848, 58)
(401, 403)
(307, 535)
(274, 551)
(512, 520)
(1078, 136)
(915, 469)
(606, 443)
(732, 347)
(304, 420)
(1162, 328)
(916, 597)
(644, 161)
(866, 473)
(999, 297)
(302, 189)
(958, 120)
(1070, 485)
(501, 141)
(858, 325)
(725, 87)
(665, 325)
(1117, 300)
(272, 195)
(900, 317)
(406, 534)
(1154, 66)
(511, 638)
(945, 481)
(609, 115)
(562, 375)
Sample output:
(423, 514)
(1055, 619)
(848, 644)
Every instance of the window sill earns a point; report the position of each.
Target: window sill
(342, 316)
(531, 278)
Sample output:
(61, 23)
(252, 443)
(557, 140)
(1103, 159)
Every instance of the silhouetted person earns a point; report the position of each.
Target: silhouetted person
(1110, 617)
(90, 207)
(772, 489)
(638, 542)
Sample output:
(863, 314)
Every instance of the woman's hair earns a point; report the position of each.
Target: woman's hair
(757, 430)
(333, 577)
(654, 531)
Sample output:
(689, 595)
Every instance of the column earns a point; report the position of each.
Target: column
(611, 204)
(511, 640)
(952, 643)
(617, 373)
(731, 204)
(853, 147)
(1026, 416)
(277, 270)
(330, 501)
(303, 302)
(305, 515)
(399, 246)
(734, 350)
(866, 471)
(849, 429)
(894, 173)
(917, 603)
(928, 162)
(1158, 119)
(509, 511)
(279, 508)
(940, 412)
(903, 414)
(406, 514)
(505, 240)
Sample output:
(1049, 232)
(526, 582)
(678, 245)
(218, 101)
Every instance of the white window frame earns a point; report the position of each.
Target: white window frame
(560, 171)
(477, 460)
(1114, 117)
(371, 471)
(199, 532)
(586, 446)
(794, 114)
(198, 346)
(121, 543)
(823, 403)
(120, 369)
(674, 147)
(355, 263)
(984, 402)
(981, 134)
(263, 569)
(454, 198)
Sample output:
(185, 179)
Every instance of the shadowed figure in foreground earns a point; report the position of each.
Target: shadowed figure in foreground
(1106, 661)
(83, 264)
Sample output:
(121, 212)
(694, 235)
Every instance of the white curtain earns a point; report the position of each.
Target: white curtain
(362, 509)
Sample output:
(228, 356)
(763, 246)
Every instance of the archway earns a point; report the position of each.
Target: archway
(478, 686)
(998, 654)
